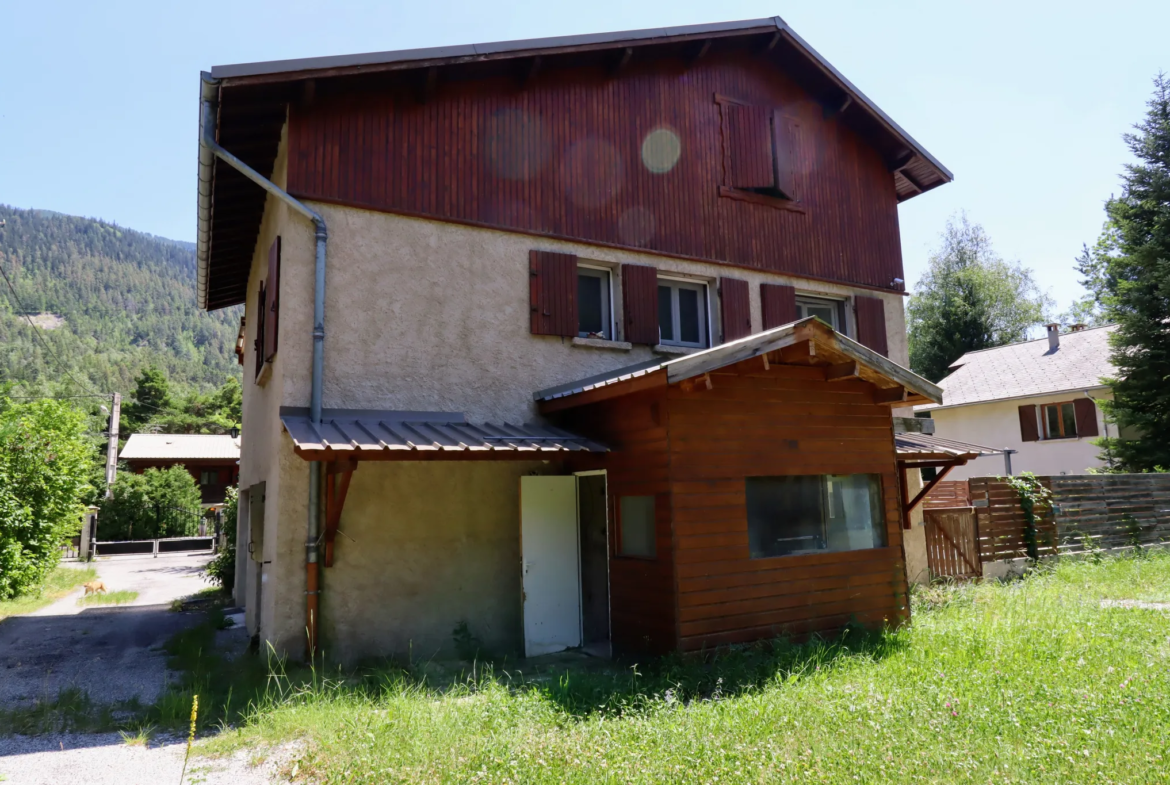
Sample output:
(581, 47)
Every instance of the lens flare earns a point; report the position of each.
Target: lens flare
(661, 150)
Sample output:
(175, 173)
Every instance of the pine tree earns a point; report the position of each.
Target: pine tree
(1133, 283)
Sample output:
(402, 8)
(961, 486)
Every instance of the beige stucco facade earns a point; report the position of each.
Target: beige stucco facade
(997, 424)
(427, 316)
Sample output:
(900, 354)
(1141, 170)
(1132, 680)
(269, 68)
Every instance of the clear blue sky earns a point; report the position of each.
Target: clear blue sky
(1024, 102)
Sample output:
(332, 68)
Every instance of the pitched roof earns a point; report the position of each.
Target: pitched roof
(1020, 370)
(179, 446)
(831, 347)
(927, 446)
(368, 433)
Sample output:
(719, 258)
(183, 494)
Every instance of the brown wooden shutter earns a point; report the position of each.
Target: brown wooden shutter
(1029, 431)
(1086, 412)
(784, 146)
(640, 303)
(778, 303)
(272, 312)
(553, 293)
(749, 140)
(258, 344)
(871, 323)
(736, 308)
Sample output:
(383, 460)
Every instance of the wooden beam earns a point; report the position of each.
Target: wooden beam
(636, 384)
(889, 395)
(768, 47)
(842, 372)
(921, 494)
(429, 84)
(699, 52)
(764, 357)
(532, 71)
(802, 352)
(337, 476)
(702, 382)
(623, 59)
(831, 112)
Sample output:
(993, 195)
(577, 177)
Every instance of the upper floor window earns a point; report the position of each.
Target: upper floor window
(682, 313)
(829, 311)
(594, 303)
(1060, 420)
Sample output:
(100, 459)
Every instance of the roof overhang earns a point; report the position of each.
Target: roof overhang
(251, 102)
(806, 342)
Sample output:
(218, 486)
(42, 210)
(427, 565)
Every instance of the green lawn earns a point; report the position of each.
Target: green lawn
(58, 583)
(1031, 681)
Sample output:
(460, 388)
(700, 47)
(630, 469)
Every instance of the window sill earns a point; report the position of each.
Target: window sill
(265, 374)
(602, 343)
(665, 348)
(761, 199)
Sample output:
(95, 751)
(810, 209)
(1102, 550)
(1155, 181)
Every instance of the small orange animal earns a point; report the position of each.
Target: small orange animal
(93, 587)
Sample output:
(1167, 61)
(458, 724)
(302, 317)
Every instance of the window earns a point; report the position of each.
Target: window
(682, 313)
(795, 515)
(636, 526)
(1060, 420)
(209, 477)
(594, 301)
(828, 311)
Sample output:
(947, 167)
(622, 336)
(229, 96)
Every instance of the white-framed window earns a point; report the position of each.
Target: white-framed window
(832, 312)
(683, 313)
(594, 302)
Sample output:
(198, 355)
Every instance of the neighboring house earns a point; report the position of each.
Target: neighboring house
(1038, 398)
(546, 298)
(214, 461)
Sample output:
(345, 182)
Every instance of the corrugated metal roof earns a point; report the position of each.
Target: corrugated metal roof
(356, 431)
(179, 446)
(924, 445)
(1030, 368)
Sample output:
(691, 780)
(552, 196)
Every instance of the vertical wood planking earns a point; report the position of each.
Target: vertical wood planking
(777, 304)
(871, 323)
(640, 303)
(553, 293)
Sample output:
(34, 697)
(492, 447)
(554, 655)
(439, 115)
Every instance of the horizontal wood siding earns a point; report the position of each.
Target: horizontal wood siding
(782, 421)
(632, 160)
(642, 604)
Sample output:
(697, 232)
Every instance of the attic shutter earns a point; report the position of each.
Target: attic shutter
(1086, 412)
(272, 314)
(784, 139)
(749, 140)
(736, 308)
(1029, 431)
(778, 304)
(871, 323)
(553, 293)
(640, 303)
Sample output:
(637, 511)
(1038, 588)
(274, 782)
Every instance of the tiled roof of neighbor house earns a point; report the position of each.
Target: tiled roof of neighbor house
(179, 446)
(353, 433)
(1030, 368)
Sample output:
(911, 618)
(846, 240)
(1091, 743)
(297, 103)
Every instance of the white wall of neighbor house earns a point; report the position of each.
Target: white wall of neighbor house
(997, 424)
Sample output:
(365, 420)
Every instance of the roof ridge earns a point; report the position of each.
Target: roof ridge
(1031, 340)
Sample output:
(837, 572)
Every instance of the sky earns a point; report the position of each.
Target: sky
(1025, 102)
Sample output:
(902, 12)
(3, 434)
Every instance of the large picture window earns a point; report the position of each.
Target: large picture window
(814, 513)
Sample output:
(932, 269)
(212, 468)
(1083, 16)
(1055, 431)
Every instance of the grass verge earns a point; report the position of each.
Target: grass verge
(1032, 681)
(108, 598)
(59, 582)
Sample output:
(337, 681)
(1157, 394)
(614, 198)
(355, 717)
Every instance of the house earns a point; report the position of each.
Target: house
(212, 460)
(586, 341)
(1035, 398)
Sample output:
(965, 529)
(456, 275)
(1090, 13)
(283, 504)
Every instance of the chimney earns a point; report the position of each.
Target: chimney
(1076, 328)
(1053, 337)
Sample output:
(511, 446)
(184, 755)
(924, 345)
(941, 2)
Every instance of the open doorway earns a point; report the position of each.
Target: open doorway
(593, 527)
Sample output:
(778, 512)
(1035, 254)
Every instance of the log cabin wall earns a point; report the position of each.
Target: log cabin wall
(642, 602)
(633, 159)
(783, 421)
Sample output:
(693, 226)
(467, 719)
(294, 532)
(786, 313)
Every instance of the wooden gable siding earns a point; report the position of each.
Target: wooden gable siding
(563, 156)
(641, 590)
(782, 421)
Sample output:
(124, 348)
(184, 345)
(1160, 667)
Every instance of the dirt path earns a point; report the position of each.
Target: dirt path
(110, 652)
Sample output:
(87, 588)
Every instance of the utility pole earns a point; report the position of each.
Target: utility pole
(112, 450)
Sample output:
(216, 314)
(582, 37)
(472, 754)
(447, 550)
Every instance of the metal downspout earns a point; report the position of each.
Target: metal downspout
(209, 150)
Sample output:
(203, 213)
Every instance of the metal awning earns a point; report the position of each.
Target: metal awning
(928, 447)
(367, 434)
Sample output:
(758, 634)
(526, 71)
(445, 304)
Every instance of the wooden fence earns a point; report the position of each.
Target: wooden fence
(948, 493)
(1087, 512)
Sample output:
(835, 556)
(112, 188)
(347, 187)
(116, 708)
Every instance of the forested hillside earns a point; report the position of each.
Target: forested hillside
(127, 300)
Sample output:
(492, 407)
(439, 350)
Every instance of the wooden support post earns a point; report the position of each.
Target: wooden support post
(702, 382)
(910, 505)
(764, 357)
(337, 477)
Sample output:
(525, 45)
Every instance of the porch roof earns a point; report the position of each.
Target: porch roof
(370, 434)
(830, 348)
(928, 447)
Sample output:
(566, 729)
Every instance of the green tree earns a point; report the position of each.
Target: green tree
(156, 503)
(968, 299)
(1128, 272)
(152, 396)
(44, 464)
(213, 413)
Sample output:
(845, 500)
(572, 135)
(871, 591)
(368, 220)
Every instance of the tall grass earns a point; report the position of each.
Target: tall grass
(1032, 681)
(59, 582)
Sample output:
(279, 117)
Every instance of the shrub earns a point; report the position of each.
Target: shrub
(44, 463)
(143, 506)
(222, 569)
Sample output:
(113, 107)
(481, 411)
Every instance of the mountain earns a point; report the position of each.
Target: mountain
(108, 301)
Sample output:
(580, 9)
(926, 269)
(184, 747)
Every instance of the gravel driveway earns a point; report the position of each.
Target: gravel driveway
(111, 652)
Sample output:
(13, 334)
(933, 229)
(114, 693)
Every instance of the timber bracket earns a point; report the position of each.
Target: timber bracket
(337, 478)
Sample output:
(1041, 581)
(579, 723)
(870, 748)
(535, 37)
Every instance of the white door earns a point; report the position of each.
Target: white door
(550, 564)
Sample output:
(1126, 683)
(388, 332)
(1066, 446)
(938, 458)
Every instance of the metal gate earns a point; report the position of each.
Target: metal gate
(952, 543)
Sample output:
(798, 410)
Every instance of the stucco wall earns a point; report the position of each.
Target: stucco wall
(426, 546)
(997, 424)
